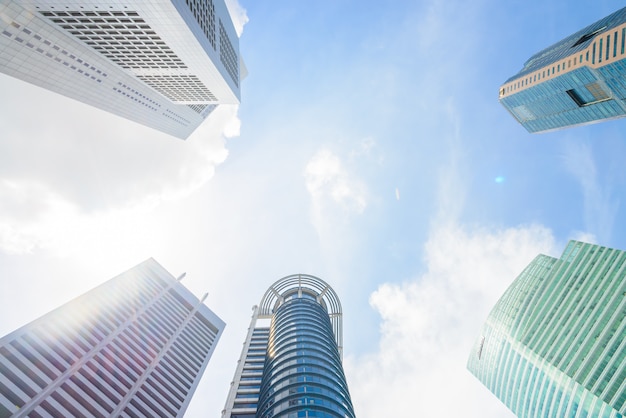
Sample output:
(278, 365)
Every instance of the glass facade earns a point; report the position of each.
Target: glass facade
(290, 365)
(303, 375)
(578, 80)
(554, 345)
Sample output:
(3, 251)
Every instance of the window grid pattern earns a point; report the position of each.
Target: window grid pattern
(204, 12)
(179, 88)
(175, 117)
(43, 53)
(54, 52)
(228, 56)
(136, 96)
(198, 108)
(203, 110)
(85, 358)
(121, 36)
(554, 344)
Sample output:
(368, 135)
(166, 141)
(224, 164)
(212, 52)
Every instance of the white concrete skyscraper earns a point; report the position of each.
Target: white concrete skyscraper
(163, 63)
(135, 346)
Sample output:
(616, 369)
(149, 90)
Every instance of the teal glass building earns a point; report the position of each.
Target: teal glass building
(579, 80)
(290, 365)
(554, 345)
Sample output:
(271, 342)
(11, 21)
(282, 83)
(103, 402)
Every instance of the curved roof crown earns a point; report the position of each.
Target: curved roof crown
(304, 283)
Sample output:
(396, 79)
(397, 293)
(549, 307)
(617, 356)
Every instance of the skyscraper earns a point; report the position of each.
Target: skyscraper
(555, 343)
(290, 365)
(134, 346)
(163, 63)
(578, 80)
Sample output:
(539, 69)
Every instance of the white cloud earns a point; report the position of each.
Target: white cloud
(429, 324)
(238, 14)
(338, 200)
(61, 226)
(600, 208)
(57, 180)
(328, 181)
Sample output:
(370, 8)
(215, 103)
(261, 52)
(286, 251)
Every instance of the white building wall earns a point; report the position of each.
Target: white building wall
(135, 346)
(147, 61)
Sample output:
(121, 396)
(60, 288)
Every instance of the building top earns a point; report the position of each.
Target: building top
(576, 81)
(560, 325)
(137, 345)
(571, 45)
(301, 284)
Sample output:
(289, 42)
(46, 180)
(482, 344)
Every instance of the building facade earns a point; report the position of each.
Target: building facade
(554, 345)
(163, 63)
(579, 80)
(135, 346)
(290, 365)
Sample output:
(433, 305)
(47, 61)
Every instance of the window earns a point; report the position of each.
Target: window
(593, 54)
(576, 97)
(588, 36)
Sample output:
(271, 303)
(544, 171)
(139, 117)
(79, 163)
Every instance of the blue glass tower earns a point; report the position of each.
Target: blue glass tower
(290, 365)
(579, 80)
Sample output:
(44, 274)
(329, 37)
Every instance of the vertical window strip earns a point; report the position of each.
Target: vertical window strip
(600, 50)
(608, 45)
(615, 44)
(593, 54)
(623, 39)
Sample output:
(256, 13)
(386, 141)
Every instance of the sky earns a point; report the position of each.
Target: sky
(369, 149)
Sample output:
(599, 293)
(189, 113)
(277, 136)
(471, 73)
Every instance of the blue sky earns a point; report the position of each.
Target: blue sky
(369, 149)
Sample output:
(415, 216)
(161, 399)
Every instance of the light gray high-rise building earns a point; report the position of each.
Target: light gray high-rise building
(135, 346)
(163, 63)
(290, 365)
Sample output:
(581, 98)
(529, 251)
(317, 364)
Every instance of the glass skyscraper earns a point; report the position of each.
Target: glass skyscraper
(290, 365)
(164, 64)
(554, 345)
(135, 346)
(579, 80)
